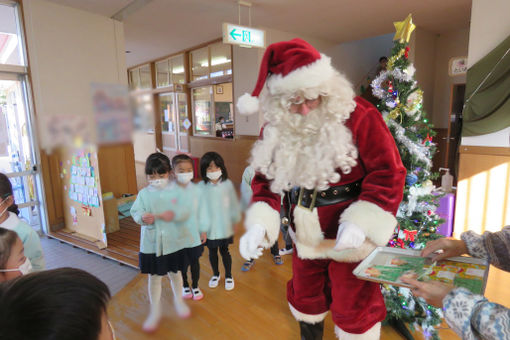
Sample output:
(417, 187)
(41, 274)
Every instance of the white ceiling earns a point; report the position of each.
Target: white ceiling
(164, 27)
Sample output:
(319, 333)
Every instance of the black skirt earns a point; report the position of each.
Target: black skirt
(220, 243)
(161, 265)
(193, 254)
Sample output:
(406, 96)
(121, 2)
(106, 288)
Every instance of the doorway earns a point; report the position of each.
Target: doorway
(18, 157)
(453, 137)
(174, 122)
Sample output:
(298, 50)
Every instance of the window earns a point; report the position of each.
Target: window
(140, 78)
(223, 110)
(167, 112)
(11, 49)
(221, 60)
(162, 73)
(203, 124)
(200, 64)
(145, 77)
(177, 67)
(212, 61)
(170, 71)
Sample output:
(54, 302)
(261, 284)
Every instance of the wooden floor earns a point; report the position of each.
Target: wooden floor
(255, 309)
(123, 245)
(126, 241)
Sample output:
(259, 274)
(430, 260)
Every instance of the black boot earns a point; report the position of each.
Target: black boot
(311, 331)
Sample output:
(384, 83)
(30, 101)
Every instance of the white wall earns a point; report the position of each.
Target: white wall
(355, 59)
(449, 45)
(68, 50)
(489, 27)
(422, 54)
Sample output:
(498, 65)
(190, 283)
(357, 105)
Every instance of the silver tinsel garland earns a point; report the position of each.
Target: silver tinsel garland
(418, 150)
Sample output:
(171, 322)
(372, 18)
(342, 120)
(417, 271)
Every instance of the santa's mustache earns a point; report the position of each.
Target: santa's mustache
(309, 124)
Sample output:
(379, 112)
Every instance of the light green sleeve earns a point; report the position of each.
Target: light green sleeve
(138, 209)
(204, 223)
(33, 250)
(235, 208)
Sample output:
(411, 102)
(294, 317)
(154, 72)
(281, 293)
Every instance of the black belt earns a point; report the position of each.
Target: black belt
(313, 198)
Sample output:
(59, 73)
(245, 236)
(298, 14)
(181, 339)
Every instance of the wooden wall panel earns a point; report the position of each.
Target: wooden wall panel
(483, 189)
(117, 169)
(52, 189)
(235, 152)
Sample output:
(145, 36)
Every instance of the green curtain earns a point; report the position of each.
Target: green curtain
(489, 109)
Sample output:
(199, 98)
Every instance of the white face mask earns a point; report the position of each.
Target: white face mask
(214, 175)
(185, 177)
(25, 268)
(159, 183)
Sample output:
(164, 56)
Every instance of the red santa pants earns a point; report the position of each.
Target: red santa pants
(321, 285)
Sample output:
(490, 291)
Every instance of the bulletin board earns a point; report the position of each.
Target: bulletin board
(83, 211)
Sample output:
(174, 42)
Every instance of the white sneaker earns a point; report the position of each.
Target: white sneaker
(229, 283)
(186, 293)
(197, 294)
(285, 251)
(214, 281)
(151, 323)
(182, 309)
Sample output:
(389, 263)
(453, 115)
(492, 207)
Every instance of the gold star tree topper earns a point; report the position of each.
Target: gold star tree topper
(404, 29)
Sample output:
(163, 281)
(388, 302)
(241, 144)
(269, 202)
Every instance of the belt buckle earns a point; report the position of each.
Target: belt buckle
(300, 199)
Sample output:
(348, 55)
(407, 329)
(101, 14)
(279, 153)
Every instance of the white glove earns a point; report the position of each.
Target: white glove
(349, 236)
(249, 244)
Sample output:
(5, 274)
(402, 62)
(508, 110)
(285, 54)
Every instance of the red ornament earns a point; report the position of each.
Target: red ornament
(410, 234)
(427, 140)
(406, 54)
(429, 212)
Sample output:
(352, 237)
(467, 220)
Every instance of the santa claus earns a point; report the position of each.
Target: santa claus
(335, 162)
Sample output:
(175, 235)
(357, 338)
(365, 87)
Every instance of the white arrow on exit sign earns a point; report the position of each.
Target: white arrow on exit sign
(243, 36)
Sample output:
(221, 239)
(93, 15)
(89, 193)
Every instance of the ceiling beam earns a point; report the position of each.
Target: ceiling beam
(133, 6)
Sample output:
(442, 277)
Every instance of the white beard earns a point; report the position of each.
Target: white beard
(305, 151)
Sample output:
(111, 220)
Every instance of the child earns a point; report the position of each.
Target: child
(196, 225)
(223, 211)
(246, 194)
(9, 220)
(157, 208)
(13, 262)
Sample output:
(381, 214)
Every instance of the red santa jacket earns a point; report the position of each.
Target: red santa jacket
(382, 176)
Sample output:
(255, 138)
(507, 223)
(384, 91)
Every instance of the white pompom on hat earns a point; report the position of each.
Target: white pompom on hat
(287, 66)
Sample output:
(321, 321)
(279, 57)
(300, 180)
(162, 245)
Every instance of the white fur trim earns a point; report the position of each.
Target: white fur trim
(310, 318)
(247, 104)
(373, 333)
(377, 224)
(327, 252)
(261, 213)
(308, 227)
(308, 76)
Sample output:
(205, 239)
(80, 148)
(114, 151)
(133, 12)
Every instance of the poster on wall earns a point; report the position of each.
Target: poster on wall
(83, 180)
(457, 66)
(114, 121)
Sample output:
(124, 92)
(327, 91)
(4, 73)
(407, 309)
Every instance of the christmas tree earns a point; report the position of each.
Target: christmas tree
(401, 103)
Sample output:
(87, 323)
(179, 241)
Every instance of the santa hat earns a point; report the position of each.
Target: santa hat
(286, 67)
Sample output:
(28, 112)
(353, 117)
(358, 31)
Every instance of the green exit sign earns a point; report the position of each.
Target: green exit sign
(244, 36)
